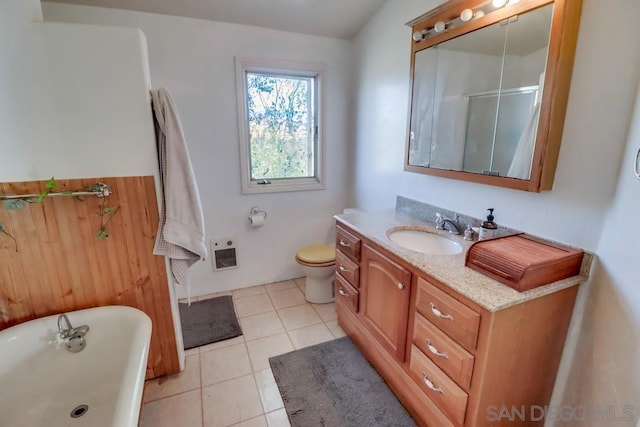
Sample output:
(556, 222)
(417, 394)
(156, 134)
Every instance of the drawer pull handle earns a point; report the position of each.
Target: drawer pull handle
(345, 244)
(435, 351)
(439, 314)
(400, 286)
(344, 270)
(343, 293)
(430, 385)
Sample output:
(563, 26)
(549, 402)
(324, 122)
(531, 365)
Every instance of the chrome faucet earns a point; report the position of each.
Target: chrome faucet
(67, 331)
(454, 224)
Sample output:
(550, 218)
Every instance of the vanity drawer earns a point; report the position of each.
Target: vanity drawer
(449, 315)
(348, 269)
(346, 293)
(445, 393)
(348, 243)
(454, 360)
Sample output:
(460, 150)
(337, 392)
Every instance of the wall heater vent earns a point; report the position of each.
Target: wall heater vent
(224, 254)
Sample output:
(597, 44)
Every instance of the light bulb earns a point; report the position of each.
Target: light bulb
(466, 15)
(419, 35)
(499, 3)
(479, 14)
(439, 27)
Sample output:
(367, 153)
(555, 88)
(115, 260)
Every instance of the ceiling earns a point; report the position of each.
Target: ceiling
(328, 18)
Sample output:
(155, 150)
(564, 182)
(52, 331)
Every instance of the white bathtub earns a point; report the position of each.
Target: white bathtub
(41, 382)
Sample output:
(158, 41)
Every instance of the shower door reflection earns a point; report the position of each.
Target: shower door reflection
(494, 156)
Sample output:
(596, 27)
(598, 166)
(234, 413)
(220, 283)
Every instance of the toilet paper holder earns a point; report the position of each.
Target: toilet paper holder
(255, 211)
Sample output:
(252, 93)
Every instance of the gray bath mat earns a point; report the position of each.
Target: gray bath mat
(332, 384)
(208, 321)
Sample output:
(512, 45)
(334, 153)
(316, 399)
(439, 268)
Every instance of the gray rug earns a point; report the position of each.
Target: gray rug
(332, 384)
(208, 321)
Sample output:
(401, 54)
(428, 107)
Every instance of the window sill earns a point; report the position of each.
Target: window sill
(281, 186)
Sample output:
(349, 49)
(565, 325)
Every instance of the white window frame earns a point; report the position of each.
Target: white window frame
(292, 68)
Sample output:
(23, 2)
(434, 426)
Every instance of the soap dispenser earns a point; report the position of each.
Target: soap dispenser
(488, 229)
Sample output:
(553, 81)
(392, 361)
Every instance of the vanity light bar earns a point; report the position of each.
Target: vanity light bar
(465, 16)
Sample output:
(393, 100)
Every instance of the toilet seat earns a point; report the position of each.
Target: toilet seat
(317, 256)
(318, 264)
(311, 264)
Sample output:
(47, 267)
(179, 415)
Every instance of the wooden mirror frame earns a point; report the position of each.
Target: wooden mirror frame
(559, 66)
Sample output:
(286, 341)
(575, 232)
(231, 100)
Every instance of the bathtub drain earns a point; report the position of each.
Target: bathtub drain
(79, 411)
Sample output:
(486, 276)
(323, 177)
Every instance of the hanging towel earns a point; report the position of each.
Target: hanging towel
(181, 236)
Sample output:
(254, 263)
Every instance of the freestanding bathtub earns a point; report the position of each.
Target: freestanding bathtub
(44, 385)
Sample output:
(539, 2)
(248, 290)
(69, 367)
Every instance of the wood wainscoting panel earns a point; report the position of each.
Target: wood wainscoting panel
(60, 266)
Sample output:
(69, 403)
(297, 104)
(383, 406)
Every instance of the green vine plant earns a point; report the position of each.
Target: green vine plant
(104, 212)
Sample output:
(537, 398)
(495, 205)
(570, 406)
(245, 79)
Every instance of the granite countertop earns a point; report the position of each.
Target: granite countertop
(450, 269)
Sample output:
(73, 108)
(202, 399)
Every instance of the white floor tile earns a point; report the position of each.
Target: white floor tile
(187, 380)
(249, 292)
(255, 304)
(222, 344)
(261, 325)
(230, 402)
(192, 351)
(287, 298)
(230, 383)
(280, 286)
(268, 389)
(278, 418)
(260, 421)
(298, 317)
(184, 410)
(310, 335)
(262, 349)
(300, 281)
(224, 364)
(326, 311)
(335, 329)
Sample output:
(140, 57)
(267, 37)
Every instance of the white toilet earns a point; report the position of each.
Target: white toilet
(318, 264)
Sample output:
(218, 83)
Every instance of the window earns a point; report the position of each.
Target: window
(280, 125)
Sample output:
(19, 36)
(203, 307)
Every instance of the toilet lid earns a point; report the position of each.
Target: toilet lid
(317, 254)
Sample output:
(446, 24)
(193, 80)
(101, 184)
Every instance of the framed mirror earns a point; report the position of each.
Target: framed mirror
(490, 82)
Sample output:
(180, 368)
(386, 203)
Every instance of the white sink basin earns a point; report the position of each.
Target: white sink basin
(424, 242)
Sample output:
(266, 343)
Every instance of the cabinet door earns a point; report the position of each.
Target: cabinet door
(384, 300)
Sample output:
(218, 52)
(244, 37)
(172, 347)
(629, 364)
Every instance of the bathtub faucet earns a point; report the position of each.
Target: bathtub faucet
(69, 332)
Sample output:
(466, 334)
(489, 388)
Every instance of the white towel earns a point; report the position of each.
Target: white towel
(181, 236)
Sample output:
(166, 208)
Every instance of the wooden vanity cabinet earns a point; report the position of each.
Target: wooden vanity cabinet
(347, 279)
(384, 300)
(348, 269)
(449, 361)
(346, 294)
(348, 243)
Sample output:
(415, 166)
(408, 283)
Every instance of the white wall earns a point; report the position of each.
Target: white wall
(74, 101)
(606, 67)
(194, 60)
(20, 12)
(604, 368)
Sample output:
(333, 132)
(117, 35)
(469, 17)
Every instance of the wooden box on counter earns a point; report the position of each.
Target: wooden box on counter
(524, 262)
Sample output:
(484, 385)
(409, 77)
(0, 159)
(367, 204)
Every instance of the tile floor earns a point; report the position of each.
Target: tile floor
(230, 383)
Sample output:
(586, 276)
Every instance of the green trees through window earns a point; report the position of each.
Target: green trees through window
(280, 113)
